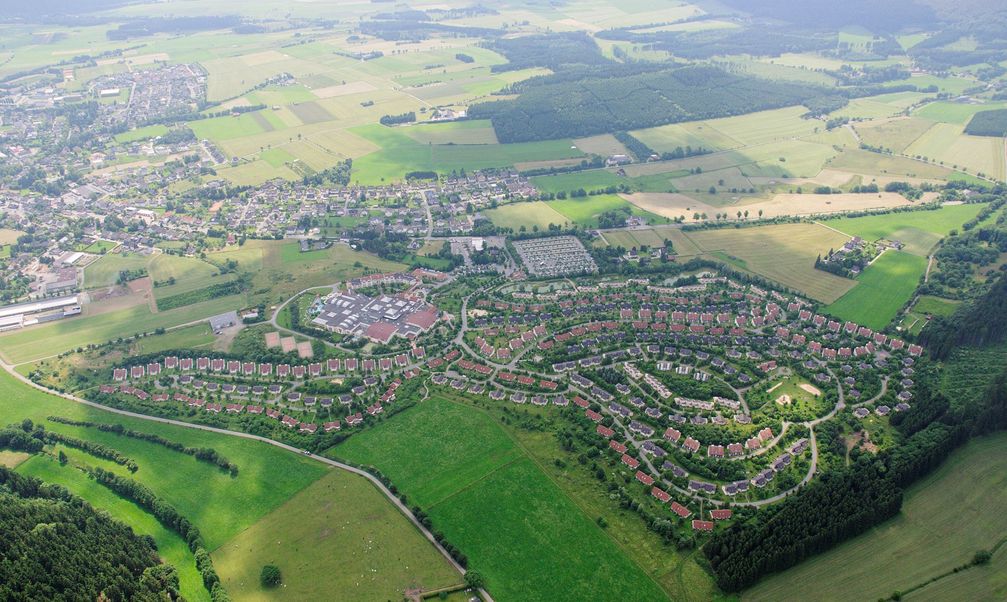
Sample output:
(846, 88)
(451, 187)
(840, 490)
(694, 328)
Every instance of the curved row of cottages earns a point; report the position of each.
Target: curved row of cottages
(273, 413)
(267, 370)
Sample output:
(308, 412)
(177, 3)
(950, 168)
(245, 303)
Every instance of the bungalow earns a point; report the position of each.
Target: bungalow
(617, 447)
(331, 426)
(630, 461)
(722, 514)
(702, 525)
(662, 496)
(644, 478)
(680, 510)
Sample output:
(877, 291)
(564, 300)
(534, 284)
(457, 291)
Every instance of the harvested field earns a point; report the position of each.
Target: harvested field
(784, 253)
(674, 205)
(311, 112)
(344, 89)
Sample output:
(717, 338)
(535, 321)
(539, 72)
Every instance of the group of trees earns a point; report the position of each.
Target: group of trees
(409, 117)
(57, 546)
(982, 321)
(554, 51)
(988, 123)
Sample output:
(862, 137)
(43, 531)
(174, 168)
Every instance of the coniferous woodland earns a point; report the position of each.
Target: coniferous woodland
(56, 546)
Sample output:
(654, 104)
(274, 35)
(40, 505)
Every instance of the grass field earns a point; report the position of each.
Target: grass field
(895, 134)
(341, 521)
(8, 236)
(221, 505)
(588, 180)
(401, 154)
(868, 163)
(63, 335)
(946, 143)
(584, 211)
(653, 237)
(187, 337)
(528, 215)
(945, 519)
(953, 112)
(882, 289)
(919, 230)
(488, 497)
(926, 305)
(784, 253)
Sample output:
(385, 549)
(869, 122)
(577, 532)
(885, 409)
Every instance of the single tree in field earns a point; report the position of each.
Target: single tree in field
(270, 576)
(474, 579)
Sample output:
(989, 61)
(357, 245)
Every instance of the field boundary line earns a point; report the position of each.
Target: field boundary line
(573, 501)
(469, 485)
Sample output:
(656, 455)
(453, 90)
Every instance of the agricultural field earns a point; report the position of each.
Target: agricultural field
(186, 337)
(926, 306)
(923, 541)
(953, 112)
(947, 144)
(895, 134)
(881, 291)
(918, 230)
(587, 180)
(529, 540)
(651, 237)
(340, 519)
(536, 214)
(784, 253)
(401, 154)
(63, 335)
(8, 236)
(279, 269)
(584, 211)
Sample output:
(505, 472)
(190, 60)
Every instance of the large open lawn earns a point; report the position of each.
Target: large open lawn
(584, 211)
(527, 215)
(945, 519)
(401, 154)
(341, 522)
(882, 289)
(593, 179)
(491, 500)
(919, 230)
(785, 253)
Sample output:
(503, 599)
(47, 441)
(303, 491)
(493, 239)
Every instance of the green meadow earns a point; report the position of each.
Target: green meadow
(882, 289)
(401, 154)
(919, 230)
(490, 499)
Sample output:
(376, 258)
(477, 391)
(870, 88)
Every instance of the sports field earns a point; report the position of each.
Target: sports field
(342, 522)
(882, 289)
(518, 529)
(919, 230)
(945, 519)
(784, 253)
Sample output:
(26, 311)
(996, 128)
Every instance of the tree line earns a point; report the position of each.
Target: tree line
(168, 516)
(204, 454)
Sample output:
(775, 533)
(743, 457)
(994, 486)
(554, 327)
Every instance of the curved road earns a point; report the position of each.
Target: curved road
(363, 473)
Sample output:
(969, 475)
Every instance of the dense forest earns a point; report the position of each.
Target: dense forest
(554, 51)
(988, 123)
(585, 102)
(979, 322)
(889, 15)
(56, 546)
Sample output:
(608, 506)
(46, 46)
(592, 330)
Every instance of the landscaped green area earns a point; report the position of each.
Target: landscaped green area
(918, 230)
(342, 522)
(517, 528)
(946, 518)
(882, 289)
